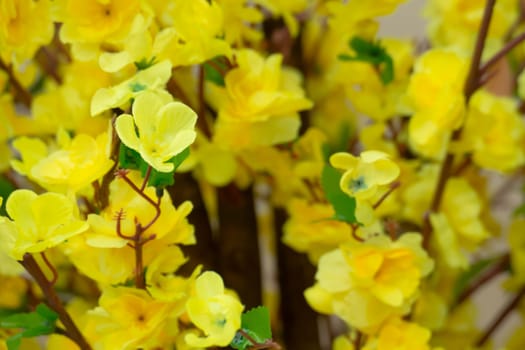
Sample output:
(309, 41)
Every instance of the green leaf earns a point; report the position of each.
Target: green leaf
(44, 310)
(520, 211)
(212, 74)
(343, 204)
(129, 158)
(257, 320)
(256, 323)
(373, 53)
(6, 188)
(39, 322)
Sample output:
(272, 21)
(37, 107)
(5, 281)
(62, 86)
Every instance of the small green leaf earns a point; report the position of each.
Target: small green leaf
(211, 74)
(257, 320)
(128, 158)
(256, 323)
(373, 53)
(40, 322)
(13, 342)
(520, 211)
(343, 204)
(159, 179)
(46, 312)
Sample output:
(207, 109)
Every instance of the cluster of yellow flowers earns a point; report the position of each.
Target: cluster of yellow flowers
(376, 156)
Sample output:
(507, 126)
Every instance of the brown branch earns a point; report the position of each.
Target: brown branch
(502, 52)
(471, 84)
(392, 188)
(20, 91)
(501, 317)
(51, 268)
(494, 271)
(54, 301)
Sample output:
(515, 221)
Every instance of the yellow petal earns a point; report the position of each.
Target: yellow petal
(125, 128)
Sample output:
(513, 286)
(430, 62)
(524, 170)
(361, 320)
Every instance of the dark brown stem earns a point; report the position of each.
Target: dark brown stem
(358, 340)
(54, 301)
(392, 188)
(502, 52)
(140, 281)
(501, 317)
(354, 233)
(494, 271)
(471, 84)
(19, 91)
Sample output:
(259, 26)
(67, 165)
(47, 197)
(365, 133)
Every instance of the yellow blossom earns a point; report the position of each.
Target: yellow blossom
(397, 334)
(76, 164)
(217, 314)
(38, 222)
(310, 228)
(128, 318)
(259, 104)
(151, 78)
(365, 174)
(181, 43)
(104, 256)
(495, 132)
(25, 25)
(455, 23)
(239, 20)
(366, 282)
(159, 129)
(435, 92)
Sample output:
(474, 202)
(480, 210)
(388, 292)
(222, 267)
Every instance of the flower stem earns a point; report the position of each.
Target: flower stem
(19, 91)
(471, 85)
(501, 317)
(503, 52)
(54, 301)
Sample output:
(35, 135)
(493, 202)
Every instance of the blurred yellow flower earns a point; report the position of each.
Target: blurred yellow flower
(25, 25)
(38, 222)
(397, 334)
(159, 129)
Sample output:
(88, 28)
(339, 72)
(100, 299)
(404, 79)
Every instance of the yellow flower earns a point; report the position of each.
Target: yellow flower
(397, 334)
(152, 78)
(217, 314)
(162, 282)
(309, 228)
(129, 318)
(259, 104)
(458, 225)
(104, 256)
(366, 282)
(239, 21)
(25, 25)
(364, 175)
(435, 92)
(38, 222)
(495, 132)
(181, 43)
(455, 23)
(159, 129)
(287, 9)
(75, 165)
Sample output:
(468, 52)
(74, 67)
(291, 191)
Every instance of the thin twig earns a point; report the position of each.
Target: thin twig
(502, 52)
(501, 317)
(20, 91)
(51, 268)
(391, 189)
